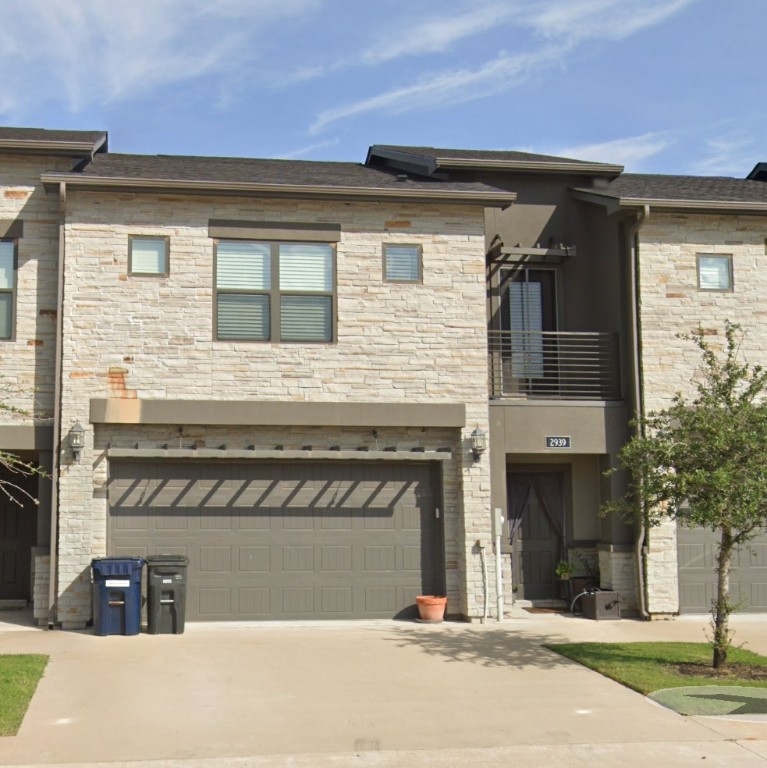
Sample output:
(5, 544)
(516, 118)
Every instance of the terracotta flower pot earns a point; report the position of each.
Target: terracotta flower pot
(431, 607)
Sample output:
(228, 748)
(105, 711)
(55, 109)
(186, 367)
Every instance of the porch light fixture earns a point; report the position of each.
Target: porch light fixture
(76, 439)
(478, 443)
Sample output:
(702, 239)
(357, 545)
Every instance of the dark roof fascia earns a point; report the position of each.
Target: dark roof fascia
(405, 160)
(292, 191)
(82, 149)
(535, 166)
(758, 173)
(614, 204)
(432, 163)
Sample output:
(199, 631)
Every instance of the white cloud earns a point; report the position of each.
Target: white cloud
(560, 27)
(438, 34)
(445, 88)
(86, 52)
(629, 151)
(303, 151)
(733, 154)
(598, 19)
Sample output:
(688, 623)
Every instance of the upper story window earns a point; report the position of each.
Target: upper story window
(268, 291)
(714, 272)
(7, 287)
(402, 263)
(148, 256)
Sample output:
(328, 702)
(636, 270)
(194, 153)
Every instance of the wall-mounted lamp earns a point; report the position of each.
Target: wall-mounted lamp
(478, 443)
(76, 440)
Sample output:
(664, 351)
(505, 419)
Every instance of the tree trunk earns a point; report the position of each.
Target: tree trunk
(723, 606)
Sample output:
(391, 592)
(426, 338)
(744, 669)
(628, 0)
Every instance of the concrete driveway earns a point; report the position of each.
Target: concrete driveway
(378, 694)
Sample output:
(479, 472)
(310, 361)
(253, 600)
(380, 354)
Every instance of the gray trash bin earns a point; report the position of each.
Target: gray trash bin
(166, 594)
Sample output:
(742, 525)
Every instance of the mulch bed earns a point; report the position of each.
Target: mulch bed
(738, 671)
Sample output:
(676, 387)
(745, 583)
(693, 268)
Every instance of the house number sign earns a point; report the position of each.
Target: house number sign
(558, 441)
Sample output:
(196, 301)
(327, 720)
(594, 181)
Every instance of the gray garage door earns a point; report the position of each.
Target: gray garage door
(697, 548)
(285, 540)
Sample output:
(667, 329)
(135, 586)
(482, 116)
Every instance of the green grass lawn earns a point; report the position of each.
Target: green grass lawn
(19, 675)
(647, 667)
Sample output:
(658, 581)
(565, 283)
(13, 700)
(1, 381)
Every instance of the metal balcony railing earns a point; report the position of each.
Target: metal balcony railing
(558, 365)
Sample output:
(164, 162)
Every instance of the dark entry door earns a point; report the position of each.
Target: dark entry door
(17, 537)
(537, 521)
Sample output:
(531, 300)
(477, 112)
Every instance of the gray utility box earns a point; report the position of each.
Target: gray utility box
(601, 605)
(166, 586)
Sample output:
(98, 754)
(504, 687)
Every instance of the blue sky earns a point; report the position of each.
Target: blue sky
(663, 86)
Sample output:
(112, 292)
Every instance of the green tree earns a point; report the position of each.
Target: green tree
(703, 462)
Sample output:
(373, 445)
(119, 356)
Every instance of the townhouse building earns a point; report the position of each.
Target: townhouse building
(319, 380)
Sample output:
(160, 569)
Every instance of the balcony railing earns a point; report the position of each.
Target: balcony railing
(558, 365)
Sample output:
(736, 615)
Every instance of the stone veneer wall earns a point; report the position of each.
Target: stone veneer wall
(27, 362)
(671, 303)
(41, 577)
(145, 337)
(617, 572)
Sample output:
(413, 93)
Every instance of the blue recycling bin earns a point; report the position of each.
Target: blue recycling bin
(117, 595)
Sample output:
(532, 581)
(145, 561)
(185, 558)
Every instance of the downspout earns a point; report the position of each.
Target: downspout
(640, 552)
(55, 472)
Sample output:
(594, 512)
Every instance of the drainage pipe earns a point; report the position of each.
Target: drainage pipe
(55, 471)
(498, 575)
(485, 594)
(632, 241)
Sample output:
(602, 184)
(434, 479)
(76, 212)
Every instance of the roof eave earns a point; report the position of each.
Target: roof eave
(60, 148)
(614, 204)
(538, 166)
(313, 191)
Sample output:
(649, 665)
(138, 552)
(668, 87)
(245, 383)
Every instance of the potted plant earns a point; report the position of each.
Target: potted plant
(563, 570)
(431, 608)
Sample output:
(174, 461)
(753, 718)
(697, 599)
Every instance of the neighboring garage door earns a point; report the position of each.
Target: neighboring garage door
(697, 549)
(285, 540)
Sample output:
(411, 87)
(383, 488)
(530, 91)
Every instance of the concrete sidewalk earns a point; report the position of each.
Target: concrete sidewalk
(362, 694)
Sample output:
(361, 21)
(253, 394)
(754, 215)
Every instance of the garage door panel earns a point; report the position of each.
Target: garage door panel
(697, 552)
(214, 520)
(381, 599)
(254, 602)
(298, 601)
(325, 559)
(298, 558)
(254, 559)
(336, 600)
(214, 603)
(215, 559)
(336, 558)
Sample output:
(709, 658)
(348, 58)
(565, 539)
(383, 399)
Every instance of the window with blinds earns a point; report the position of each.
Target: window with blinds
(148, 256)
(402, 263)
(7, 286)
(274, 291)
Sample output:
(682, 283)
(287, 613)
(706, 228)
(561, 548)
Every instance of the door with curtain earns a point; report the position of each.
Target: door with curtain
(528, 311)
(537, 532)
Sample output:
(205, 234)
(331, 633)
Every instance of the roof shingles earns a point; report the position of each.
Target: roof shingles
(710, 189)
(189, 169)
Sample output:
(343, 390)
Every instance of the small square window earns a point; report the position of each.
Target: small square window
(402, 263)
(714, 272)
(148, 256)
